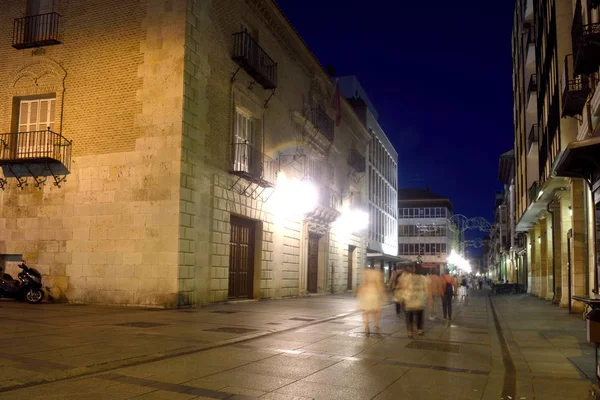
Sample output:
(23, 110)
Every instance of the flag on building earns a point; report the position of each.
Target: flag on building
(336, 103)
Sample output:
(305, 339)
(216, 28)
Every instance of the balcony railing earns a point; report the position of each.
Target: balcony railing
(251, 164)
(254, 60)
(36, 31)
(532, 193)
(532, 90)
(534, 136)
(357, 161)
(322, 122)
(586, 44)
(35, 147)
(575, 90)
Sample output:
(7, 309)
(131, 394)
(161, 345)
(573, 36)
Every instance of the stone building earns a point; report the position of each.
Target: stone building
(555, 59)
(173, 152)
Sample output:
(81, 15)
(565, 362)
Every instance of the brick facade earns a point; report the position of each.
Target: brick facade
(144, 91)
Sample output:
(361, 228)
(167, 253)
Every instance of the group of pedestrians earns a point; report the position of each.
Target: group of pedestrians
(413, 293)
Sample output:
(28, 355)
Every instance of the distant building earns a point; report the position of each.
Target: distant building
(423, 228)
(382, 175)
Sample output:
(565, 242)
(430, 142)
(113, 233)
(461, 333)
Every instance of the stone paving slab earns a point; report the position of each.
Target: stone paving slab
(328, 357)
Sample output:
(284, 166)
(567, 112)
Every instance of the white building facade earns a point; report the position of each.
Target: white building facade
(424, 235)
(382, 174)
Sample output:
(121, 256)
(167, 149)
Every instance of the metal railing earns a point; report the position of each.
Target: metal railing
(35, 147)
(252, 164)
(322, 122)
(531, 88)
(532, 193)
(36, 30)
(574, 89)
(534, 136)
(357, 161)
(248, 54)
(584, 41)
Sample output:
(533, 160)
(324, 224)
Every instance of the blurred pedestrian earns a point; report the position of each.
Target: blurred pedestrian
(414, 294)
(435, 292)
(371, 296)
(449, 284)
(394, 285)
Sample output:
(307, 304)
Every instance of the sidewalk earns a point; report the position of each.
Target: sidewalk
(297, 349)
(551, 355)
(52, 341)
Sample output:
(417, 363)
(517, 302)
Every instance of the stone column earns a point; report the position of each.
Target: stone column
(536, 260)
(564, 198)
(543, 244)
(556, 250)
(579, 250)
(549, 281)
(529, 256)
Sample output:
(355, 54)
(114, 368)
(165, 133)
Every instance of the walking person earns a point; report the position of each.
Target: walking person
(449, 287)
(371, 297)
(394, 285)
(414, 294)
(435, 292)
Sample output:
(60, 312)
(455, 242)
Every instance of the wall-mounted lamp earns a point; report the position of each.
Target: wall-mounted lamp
(570, 211)
(539, 239)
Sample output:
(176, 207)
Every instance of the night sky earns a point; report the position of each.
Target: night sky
(439, 74)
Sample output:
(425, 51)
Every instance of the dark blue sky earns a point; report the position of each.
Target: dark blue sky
(439, 74)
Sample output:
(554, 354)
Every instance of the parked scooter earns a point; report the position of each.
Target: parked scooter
(28, 287)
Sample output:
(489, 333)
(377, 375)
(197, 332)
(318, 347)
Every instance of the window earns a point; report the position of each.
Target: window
(36, 121)
(37, 7)
(36, 115)
(245, 156)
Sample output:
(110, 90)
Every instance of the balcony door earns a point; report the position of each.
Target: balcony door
(36, 123)
(246, 158)
(41, 25)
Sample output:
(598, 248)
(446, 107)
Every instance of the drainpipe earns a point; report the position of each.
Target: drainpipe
(553, 253)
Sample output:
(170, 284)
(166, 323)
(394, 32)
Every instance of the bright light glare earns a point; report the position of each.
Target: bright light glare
(461, 263)
(293, 198)
(352, 221)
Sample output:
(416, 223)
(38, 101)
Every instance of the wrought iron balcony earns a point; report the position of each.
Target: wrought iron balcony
(251, 164)
(254, 60)
(532, 193)
(357, 161)
(36, 30)
(35, 147)
(532, 91)
(575, 90)
(586, 44)
(322, 122)
(534, 136)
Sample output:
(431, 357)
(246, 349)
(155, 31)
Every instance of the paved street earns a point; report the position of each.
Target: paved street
(311, 348)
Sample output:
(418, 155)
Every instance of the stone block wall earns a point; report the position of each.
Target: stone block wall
(109, 234)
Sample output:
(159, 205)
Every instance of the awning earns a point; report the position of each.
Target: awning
(387, 257)
(580, 159)
(430, 265)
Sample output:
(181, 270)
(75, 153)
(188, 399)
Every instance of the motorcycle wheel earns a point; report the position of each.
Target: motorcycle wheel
(34, 296)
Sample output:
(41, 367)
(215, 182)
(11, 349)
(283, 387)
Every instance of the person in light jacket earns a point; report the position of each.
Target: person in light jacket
(414, 295)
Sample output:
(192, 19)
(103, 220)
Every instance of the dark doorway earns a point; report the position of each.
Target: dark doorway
(313, 263)
(350, 265)
(241, 258)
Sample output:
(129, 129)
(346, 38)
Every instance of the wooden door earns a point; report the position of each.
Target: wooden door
(313, 263)
(241, 258)
(350, 265)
